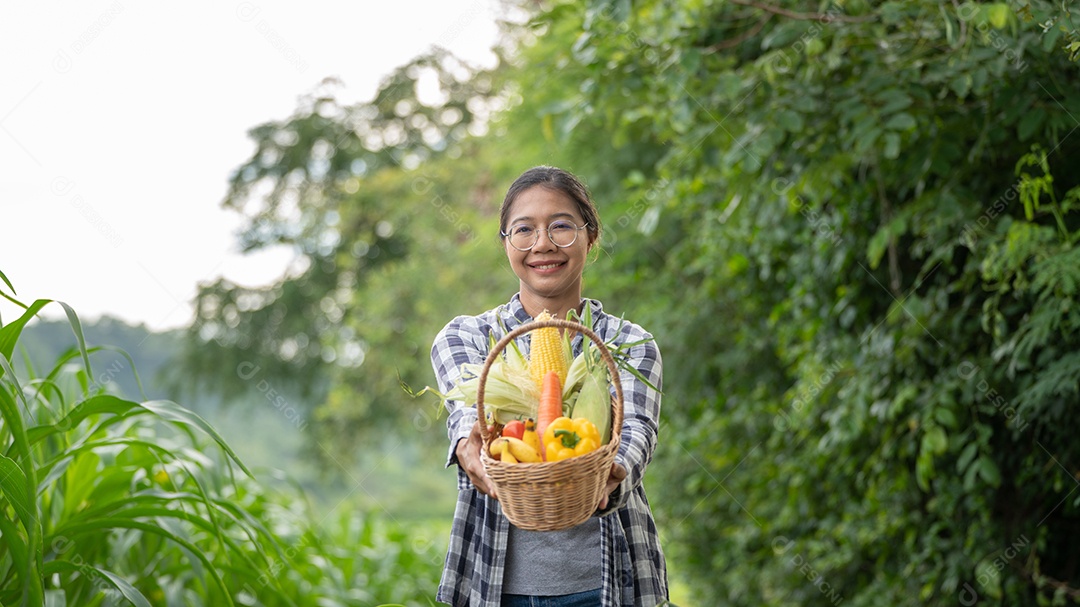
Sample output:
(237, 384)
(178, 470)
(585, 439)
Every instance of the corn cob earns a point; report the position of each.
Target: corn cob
(546, 353)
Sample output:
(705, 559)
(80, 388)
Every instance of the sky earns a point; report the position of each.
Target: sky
(120, 123)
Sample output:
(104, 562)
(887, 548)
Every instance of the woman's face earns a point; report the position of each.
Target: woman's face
(547, 271)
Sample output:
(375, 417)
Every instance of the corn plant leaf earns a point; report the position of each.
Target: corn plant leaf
(13, 420)
(121, 585)
(98, 525)
(4, 278)
(80, 480)
(14, 541)
(161, 506)
(9, 334)
(13, 483)
(173, 412)
(76, 326)
(53, 472)
(252, 525)
(95, 405)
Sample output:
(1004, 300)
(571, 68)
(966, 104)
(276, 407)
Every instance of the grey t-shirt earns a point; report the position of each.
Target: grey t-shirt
(546, 563)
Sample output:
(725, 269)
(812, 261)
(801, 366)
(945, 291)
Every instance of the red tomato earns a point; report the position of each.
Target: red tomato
(514, 428)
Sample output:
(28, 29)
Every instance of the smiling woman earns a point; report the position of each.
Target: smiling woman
(548, 262)
(613, 558)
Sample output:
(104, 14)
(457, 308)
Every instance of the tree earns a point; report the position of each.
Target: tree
(870, 218)
(342, 186)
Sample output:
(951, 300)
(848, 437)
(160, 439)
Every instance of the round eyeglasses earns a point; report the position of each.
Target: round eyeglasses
(561, 233)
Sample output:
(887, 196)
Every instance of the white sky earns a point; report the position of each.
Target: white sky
(120, 123)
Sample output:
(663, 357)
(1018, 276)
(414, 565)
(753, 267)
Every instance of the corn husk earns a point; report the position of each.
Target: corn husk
(593, 399)
(509, 392)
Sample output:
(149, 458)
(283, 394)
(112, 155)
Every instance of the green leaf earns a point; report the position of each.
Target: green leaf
(82, 475)
(76, 326)
(13, 483)
(95, 405)
(173, 412)
(945, 417)
(1029, 124)
(868, 140)
(4, 278)
(924, 469)
(790, 121)
(998, 14)
(13, 420)
(935, 440)
(988, 577)
(892, 145)
(875, 250)
(129, 592)
(961, 85)
(894, 100)
(901, 122)
(988, 470)
(14, 541)
(967, 456)
(1074, 49)
(9, 334)
(108, 523)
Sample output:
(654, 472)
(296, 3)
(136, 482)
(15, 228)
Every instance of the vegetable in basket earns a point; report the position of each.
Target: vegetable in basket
(566, 438)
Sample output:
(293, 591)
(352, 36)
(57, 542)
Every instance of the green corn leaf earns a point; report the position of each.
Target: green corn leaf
(9, 297)
(14, 423)
(19, 482)
(6, 369)
(109, 523)
(250, 525)
(14, 541)
(9, 334)
(53, 472)
(160, 506)
(76, 326)
(95, 405)
(13, 484)
(4, 278)
(175, 413)
(118, 583)
(82, 476)
(17, 488)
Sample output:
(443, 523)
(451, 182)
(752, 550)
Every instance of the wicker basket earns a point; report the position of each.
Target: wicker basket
(549, 496)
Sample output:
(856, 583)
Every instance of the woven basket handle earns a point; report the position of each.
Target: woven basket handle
(616, 403)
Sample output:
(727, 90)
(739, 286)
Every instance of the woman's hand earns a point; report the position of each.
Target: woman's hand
(616, 476)
(468, 457)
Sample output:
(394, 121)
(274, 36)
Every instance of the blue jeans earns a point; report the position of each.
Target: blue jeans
(589, 598)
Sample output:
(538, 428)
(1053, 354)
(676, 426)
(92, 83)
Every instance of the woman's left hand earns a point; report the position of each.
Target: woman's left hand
(616, 476)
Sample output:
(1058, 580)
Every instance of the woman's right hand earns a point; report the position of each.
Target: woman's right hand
(468, 457)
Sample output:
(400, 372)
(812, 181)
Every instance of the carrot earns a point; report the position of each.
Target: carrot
(550, 407)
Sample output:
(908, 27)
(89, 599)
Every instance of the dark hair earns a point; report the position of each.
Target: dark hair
(559, 180)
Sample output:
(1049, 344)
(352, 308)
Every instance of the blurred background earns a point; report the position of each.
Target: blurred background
(851, 227)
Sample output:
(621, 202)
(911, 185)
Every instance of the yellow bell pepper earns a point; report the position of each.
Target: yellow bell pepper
(565, 438)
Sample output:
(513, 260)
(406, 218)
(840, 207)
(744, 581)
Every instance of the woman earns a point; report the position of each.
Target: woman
(548, 225)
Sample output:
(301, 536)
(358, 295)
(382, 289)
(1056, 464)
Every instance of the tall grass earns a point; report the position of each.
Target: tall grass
(111, 501)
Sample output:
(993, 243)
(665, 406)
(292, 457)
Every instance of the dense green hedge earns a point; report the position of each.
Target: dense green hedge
(867, 292)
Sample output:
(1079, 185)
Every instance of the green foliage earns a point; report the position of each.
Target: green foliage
(105, 500)
(874, 356)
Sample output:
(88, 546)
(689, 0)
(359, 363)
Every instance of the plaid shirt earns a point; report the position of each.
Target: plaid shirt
(634, 570)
